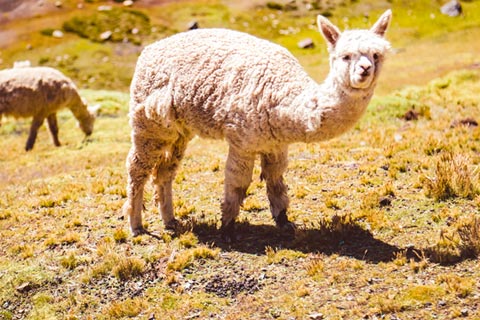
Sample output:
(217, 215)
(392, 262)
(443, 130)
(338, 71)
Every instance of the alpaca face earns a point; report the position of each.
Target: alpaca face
(356, 56)
(87, 125)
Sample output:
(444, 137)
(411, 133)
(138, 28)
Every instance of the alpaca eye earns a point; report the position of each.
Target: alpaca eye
(375, 56)
(346, 57)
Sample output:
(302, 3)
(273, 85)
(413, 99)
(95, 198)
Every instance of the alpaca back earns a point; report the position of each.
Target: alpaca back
(217, 81)
(26, 92)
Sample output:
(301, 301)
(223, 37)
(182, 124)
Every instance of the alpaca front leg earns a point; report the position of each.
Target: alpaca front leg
(273, 167)
(36, 124)
(53, 126)
(238, 176)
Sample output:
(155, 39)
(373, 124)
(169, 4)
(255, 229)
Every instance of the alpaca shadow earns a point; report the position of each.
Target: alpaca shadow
(345, 239)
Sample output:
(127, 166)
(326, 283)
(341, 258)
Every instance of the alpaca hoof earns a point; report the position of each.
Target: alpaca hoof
(288, 229)
(139, 231)
(173, 225)
(228, 233)
(285, 226)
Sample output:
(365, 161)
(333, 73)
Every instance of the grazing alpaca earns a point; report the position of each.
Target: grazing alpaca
(218, 84)
(40, 92)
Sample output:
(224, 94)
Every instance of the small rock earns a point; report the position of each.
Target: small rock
(468, 122)
(385, 202)
(442, 303)
(464, 312)
(57, 34)
(452, 8)
(22, 64)
(104, 8)
(135, 31)
(306, 44)
(316, 316)
(24, 287)
(193, 25)
(128, 3)
(411, 115)
(58, 4)
(105, 35)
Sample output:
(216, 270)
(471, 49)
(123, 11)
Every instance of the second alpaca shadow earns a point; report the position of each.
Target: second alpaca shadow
(346, 239)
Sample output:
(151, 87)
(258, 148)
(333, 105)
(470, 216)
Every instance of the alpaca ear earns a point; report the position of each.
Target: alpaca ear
(381, 26)
(94, 110)
(329, 31)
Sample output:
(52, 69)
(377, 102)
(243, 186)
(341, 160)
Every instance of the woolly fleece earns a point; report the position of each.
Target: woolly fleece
(40, 92)
(219, 83)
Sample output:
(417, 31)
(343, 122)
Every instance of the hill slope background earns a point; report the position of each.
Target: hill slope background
(387, 214)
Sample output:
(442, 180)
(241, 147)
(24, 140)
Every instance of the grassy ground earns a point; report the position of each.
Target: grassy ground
(387, 214)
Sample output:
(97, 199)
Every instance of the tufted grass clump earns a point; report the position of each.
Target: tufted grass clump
(462, 241)
(282, 255)
(315, 267)
(128, 268)
(70, 238)
(127, 308)
(188, 240)
(460, 286)
(186, 258)
(469, 234)
(69, 262)
(120, 235)
(452, 178)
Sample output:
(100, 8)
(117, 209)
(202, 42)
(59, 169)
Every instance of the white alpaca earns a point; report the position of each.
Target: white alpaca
(218, 84)
(40, 92)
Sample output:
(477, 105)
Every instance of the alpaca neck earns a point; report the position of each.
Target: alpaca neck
(79, 109)
(323, 111)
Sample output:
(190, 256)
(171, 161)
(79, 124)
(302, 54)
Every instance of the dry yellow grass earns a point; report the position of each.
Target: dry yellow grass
(373, 239)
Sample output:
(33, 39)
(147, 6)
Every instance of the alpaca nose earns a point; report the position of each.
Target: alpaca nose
(364, 66)
(366, 69)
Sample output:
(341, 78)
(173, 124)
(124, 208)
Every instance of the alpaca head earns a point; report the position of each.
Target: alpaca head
(86, 121)
(356, 56)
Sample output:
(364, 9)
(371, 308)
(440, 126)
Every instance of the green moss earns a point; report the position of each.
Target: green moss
(122, 24)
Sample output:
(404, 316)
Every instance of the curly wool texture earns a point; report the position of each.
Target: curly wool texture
(220, 83)
(223, 83)
(27, 92)
(40, 92)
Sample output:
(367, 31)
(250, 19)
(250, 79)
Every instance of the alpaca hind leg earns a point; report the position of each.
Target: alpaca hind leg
(273, 167)
(36, 124)
(140, 162)
(238, 176)
(53, 126)
(164, 173)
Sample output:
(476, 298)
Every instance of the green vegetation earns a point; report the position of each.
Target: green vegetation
(387, 215)
(116, 25)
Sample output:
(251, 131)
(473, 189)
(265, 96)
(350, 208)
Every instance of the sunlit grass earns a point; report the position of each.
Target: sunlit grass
(376, 234)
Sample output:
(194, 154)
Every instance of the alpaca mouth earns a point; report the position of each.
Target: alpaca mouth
(361, 81)
(365, 74)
